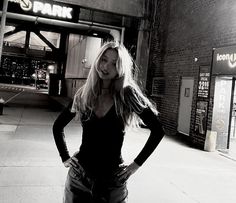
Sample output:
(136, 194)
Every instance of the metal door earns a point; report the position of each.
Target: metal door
(185, 105)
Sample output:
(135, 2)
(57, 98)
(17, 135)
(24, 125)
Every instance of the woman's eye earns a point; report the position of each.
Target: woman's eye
(103, 60)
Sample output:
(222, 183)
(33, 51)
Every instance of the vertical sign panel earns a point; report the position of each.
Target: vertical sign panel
(200, 117)
(200, 122)
(221, 111)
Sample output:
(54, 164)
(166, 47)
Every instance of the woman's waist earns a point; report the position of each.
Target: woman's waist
(103, 153)
(99, 166)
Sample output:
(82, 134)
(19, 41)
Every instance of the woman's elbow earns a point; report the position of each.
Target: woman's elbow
(56, 127)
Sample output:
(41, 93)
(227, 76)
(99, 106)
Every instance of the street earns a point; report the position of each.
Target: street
(31, 170)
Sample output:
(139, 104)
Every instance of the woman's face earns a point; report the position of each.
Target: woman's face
(107, 65)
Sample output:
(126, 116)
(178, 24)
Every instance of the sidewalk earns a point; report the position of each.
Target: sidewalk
(31, 170)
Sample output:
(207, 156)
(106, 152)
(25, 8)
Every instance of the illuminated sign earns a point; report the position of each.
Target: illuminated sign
(230, 58)
(52, 10)
(45, 9)
(24, 4)
(221, 110)
(203, 82)
(224, 61)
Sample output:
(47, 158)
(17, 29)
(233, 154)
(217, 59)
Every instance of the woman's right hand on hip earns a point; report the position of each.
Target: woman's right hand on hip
(71, 162)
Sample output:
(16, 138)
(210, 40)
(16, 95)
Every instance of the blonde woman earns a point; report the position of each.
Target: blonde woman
(109, 101)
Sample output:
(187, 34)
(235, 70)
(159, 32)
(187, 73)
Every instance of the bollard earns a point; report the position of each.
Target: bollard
(1, 105)
(210, 142)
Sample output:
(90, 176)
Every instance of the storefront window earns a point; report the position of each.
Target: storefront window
(15, 40)
(38, 44)
(52, 37)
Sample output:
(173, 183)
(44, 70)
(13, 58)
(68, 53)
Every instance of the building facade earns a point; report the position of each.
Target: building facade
(192, 69)
(58, 35)
(185, 52)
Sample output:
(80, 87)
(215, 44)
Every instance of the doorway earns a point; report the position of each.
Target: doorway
(185, 105)
(232, 134)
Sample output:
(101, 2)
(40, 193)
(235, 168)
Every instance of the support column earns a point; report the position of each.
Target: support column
(27, 39)
(3, 23)
(142, 57)
(62, 63)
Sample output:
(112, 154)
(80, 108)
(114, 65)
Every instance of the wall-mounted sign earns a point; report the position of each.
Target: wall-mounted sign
(24, 4)
(201, 117)
(202, 100)
(203, 82)
(224, 61)
(43, 8)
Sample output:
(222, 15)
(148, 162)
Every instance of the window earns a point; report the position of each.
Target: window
(158, 86)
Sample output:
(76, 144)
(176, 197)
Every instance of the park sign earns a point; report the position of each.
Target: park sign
(224, 61)
(43, 8)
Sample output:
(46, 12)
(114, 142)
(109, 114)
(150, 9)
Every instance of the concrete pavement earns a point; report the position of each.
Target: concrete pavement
(31, 170)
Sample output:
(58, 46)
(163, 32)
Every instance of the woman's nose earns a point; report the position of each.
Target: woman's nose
(105, 67)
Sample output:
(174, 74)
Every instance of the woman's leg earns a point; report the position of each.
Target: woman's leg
(110, 191)
(77, 187)
(118, 194)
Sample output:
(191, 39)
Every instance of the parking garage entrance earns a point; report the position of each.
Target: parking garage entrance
(32, 50)
(49, 43)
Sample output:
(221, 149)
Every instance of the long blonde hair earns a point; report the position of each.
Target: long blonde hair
(128, 98)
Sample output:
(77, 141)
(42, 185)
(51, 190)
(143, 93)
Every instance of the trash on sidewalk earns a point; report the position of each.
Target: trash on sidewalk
(1, 105)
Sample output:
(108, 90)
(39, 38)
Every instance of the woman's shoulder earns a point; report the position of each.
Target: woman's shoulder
(133, 93)
(129, 91)
(137, 100)
(134, 98)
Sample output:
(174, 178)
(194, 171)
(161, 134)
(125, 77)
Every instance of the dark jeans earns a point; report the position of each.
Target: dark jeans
(80, 188)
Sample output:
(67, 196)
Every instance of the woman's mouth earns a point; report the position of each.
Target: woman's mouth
(104, 72)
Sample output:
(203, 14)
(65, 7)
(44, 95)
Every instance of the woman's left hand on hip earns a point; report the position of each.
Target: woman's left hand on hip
(127, 171)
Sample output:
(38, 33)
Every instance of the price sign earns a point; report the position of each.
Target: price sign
(204, 82)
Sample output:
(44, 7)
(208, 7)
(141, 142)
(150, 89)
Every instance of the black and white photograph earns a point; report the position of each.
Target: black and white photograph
(117, 101)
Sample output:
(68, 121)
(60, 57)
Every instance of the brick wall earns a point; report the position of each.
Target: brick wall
(182, 31)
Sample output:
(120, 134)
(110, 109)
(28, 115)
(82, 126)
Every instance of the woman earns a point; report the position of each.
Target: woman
(109, 101)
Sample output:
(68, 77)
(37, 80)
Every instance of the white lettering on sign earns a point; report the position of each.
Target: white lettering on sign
(231, 58)
(45, 8)
(204, 74)
(52, 10)
(221, 110)
(222, 97)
